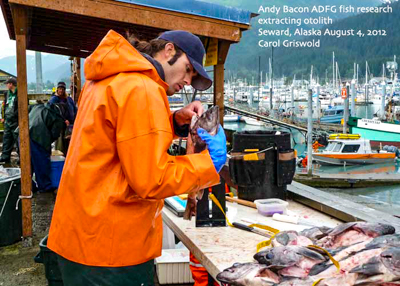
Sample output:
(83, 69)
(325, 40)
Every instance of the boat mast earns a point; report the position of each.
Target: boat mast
(333, 71)
(272, 78)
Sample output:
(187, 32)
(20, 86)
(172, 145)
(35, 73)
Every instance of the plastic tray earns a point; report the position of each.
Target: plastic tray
(268, 207)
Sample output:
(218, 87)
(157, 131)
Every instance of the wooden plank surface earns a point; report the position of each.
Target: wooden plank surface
(20, 23)
(217, 248)
(338, 207)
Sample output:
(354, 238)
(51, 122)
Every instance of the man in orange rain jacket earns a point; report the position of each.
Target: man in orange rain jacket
(107, 226)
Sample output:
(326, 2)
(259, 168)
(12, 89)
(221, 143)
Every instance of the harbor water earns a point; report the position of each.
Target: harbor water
(384, 198)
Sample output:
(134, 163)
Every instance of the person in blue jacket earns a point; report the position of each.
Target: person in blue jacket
(60, 96)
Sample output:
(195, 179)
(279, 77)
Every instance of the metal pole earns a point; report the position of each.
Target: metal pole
(272, 78)
(333, 71)
(309, 133)
(353, 98)
(346, 110)
(259, 76)
(383, 101)
(318, 104)
(366, 101)
(39, 74)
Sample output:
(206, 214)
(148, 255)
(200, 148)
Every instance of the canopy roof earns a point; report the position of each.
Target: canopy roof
(75, 27)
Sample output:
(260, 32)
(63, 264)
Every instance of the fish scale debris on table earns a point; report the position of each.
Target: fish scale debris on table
(367, 253)
(209, 121)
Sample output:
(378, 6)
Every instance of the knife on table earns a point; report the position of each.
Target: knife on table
(250, 229)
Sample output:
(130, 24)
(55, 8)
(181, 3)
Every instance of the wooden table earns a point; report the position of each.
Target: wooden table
(217, 248)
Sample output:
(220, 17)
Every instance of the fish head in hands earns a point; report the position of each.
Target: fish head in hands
(208, 121)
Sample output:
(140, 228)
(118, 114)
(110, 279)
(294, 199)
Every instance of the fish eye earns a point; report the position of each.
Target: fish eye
(270, 255)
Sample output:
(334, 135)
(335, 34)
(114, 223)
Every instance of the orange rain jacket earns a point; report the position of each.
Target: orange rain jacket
(117, 172)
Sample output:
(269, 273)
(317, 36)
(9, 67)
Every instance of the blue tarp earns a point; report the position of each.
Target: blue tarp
(199, 8)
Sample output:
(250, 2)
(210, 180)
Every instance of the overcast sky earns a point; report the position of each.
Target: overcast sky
(7, 46)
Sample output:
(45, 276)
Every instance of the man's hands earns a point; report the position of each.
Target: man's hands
(2, 120)
(184, 116)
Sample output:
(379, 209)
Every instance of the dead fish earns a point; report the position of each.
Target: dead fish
(296, 281)
(209, 121)
(344, 279)
(325, 270)
(353, 232)
(291, 237)
(293, 261)
(380, 269)
(248, 274)
(380, 241)
(369, 243)
(315, 233)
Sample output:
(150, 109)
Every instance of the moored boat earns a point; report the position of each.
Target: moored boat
(351, 150)
(378, 132)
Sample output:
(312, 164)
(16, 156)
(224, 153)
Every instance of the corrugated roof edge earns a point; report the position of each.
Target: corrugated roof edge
(199, 8)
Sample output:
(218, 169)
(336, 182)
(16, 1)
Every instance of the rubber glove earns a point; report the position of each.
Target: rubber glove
(216, 146)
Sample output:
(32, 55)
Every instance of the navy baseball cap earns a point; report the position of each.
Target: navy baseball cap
(194, 49)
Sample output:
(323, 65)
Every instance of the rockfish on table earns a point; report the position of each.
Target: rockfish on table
(353, 232)
(248, 274)
(381, 269)
(293, 261)
(209, 121)
(290, 237)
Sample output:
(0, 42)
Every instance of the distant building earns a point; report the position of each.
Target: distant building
(3, 77)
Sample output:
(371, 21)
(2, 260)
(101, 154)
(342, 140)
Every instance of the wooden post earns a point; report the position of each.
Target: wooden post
(20, 19)
(78, 79)
(219, 90)
(223, 48)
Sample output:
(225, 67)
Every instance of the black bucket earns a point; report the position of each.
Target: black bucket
(267, 175)
(50, 261)
(11, 218)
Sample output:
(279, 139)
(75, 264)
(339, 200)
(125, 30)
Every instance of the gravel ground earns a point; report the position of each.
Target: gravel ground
(17, 266)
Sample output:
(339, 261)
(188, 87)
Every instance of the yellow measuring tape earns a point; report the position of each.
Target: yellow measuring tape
(329, 255)
(265, 227)
(317, 281)
(265, 243)
(214, 199)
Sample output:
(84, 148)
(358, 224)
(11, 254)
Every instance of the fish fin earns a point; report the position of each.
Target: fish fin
(341, 228)
(282, 238)
(368, 269)
(312, 253)
(318, 268)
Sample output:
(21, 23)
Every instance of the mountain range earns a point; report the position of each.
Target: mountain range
(243, 57)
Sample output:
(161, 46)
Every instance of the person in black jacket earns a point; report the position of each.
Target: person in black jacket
(46, 121)
(10, 120)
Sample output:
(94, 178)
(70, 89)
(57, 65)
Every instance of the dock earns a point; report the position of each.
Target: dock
(348, 180)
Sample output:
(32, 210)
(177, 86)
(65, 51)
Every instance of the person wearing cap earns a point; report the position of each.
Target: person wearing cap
(10, 120)
(60, 96)
(106, 227)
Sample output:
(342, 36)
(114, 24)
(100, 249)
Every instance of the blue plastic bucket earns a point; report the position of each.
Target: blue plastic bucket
(57, 165)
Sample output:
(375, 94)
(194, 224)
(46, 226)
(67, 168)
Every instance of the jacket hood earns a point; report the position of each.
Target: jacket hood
(116, 55)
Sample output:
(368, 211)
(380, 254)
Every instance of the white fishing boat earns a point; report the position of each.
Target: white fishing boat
(252, 121)
(350, 149)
